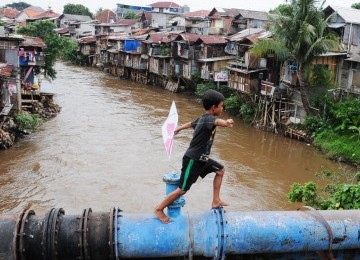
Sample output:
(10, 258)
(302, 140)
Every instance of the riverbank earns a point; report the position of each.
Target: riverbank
(16, 126)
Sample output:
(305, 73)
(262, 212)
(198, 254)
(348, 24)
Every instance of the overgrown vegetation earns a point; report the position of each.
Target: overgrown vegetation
(234, 102)
(337, 131)
(337, 195)
(28, 122)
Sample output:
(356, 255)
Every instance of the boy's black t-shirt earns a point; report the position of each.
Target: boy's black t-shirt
(204, 133)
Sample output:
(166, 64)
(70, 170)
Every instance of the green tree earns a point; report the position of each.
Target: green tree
(18, 6)
(77, 9)
(355, 6)
(299, 33)
(130, 15)
(54, 43)
(284, 9)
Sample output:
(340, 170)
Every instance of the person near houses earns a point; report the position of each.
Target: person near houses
(196, 161)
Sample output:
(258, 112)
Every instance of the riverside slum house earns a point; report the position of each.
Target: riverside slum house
(31, 59)
(21, 59)
(269, 83)
(197, 22)
(345, 22)
(75, 26)
(9, 72)
(256, 77)
(224, 21)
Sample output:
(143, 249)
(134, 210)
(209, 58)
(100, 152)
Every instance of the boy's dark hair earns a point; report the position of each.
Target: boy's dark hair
(211, 97)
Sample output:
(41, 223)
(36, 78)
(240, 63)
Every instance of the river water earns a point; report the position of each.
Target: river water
(105, 149)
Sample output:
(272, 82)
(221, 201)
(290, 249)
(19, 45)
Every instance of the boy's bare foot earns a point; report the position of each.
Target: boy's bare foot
(161, 216)
(218, 204)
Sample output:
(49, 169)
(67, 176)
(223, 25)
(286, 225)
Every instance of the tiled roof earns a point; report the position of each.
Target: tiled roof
(33, 41)
(33, 11)
(165, 5)
(126, 22)
(106, 16)
(46, 15)
(200, 13)
(9, 12)
(5, 71)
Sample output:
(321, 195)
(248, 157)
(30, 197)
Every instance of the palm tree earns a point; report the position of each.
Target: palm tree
(300, 32)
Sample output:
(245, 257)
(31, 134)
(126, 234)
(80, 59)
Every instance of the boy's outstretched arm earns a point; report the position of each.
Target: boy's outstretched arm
(224, 122)
(182, 127)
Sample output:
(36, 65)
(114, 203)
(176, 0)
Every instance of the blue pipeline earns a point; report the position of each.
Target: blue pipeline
(216, 233)
(305, 234)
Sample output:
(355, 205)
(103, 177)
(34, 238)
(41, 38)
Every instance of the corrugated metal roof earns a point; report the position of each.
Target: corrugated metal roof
(76, 18)
(6, 71)
(216, 39)
(85, 40)
(200, 13)
(245, 71)
(62, 30)
(245, 33)
(336, 25)
(354, 58)
(257, 15)
(218, 59)
(350, 15)
(190, 37)
(33, 42)
(126, 22)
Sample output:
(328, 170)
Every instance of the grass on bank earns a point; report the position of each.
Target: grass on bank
(340, 147)
(28, 122)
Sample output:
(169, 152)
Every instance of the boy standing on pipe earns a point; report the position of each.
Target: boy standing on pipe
(196, 161)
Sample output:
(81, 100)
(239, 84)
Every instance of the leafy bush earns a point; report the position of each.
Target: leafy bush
(314, 124)
(223, 89)
(346, 115)
(333, 196)
(28, 122)
(233, 104)
(247, 111)
(196, 78)
(322, 76)
(202, 88)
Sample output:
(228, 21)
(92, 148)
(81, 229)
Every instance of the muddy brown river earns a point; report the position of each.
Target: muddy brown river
(105, 149)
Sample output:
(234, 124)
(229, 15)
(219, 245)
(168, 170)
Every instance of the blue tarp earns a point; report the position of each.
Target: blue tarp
(131, 45)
